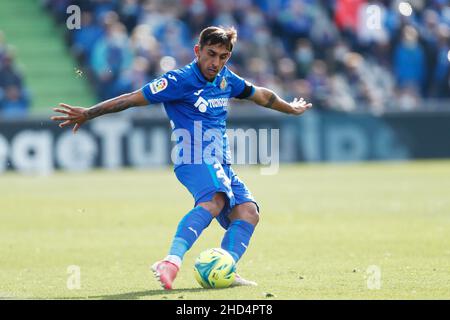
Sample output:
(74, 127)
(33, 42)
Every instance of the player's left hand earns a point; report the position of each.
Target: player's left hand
(299, 106)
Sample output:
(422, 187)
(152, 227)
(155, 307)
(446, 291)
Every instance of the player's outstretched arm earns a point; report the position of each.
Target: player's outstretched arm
(78, 115)
(269, 99)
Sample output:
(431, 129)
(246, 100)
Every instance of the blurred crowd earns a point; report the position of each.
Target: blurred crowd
(14, 98)
(348, 55)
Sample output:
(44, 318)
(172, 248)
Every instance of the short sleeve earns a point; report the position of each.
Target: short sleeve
(166, 88)
(240, 88)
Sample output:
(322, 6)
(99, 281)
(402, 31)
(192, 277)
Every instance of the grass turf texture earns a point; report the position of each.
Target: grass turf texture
(321, 228)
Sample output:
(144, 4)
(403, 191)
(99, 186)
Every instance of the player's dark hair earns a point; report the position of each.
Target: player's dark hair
(215, 35)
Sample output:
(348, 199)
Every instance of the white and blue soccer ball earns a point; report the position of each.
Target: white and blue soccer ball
(215, 268)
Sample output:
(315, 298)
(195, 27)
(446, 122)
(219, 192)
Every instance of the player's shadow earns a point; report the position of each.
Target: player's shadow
(172, 294)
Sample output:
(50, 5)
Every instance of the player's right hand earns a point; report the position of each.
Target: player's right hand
(299, 106)
(72, 115)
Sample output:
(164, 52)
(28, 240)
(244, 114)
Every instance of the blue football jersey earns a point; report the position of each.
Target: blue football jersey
(197, 109)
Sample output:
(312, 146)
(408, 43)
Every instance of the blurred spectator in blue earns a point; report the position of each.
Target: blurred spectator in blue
(225, 14)
(129, 13)
(9, 75)
(324, 33)
(85, 38)
(58, 8)
(110, 56)
(304, 56)
(198, 14)
(409, 60)
(102, 7)
(428, 28)
(14, 100)
(153, 15)
(14, 104)
(296, 21)
(318, 80)
(271, 7)
(440, 80)
(145, 45)
(134, 77)
(174, 40)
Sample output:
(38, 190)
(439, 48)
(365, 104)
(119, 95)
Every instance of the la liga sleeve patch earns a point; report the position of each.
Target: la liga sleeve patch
(158, 85)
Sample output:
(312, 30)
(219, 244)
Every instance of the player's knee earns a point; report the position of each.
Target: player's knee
(216, 204)
(252, 215)
(248, 212)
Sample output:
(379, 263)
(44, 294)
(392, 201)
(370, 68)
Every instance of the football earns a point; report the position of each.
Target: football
(215, 268)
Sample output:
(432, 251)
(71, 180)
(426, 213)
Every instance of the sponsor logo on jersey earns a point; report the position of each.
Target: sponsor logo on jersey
(202, 105)
(218, 103)
(158, 85)
(198, 92)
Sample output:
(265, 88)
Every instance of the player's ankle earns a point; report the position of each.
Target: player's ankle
(176, 260)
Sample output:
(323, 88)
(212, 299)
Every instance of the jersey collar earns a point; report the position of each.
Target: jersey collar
(199, 74)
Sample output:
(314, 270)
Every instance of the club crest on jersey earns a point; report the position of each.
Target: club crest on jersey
(158, 85)
(223, 84)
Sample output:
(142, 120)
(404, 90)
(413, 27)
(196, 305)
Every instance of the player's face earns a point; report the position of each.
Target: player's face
(211, 59)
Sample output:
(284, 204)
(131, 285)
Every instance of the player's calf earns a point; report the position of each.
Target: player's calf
(244, 218)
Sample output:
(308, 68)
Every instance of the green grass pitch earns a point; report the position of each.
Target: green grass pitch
(323, 229)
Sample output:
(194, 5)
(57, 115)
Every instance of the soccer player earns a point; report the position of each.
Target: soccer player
(195, 99)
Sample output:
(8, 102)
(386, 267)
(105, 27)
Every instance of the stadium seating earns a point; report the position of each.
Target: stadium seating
(46, 64)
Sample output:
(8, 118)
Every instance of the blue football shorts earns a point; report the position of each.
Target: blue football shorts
(204, 180)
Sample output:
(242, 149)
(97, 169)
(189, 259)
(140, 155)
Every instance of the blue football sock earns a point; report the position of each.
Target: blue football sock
(237, 238)
(189, 229)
